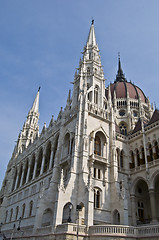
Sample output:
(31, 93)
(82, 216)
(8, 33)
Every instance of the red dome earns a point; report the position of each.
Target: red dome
(122, 87)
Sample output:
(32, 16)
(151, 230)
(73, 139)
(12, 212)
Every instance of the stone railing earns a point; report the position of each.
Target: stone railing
(93, 232)
(113, 230)
(125, 231)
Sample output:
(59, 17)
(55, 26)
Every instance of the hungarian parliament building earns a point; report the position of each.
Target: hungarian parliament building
(92, 173)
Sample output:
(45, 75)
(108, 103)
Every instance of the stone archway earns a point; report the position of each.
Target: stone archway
(116, 217)
(142, 203)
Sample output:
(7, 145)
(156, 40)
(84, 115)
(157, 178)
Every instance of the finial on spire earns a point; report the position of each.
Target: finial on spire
(39, 89)
(92, 21)
(119, 55)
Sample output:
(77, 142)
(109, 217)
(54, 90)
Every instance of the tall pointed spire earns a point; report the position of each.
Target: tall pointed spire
(120, 77)
(91, 37)
(30, 128)
(35, 106)
(90, 72)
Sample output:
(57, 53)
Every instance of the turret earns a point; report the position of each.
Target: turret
(30, 128)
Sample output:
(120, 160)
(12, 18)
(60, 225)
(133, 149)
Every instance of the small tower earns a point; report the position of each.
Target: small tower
(30, 128)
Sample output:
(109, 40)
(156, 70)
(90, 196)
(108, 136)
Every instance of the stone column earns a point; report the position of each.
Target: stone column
(28, 172)
(51, 159)
(35, 167)
(92, 139)
(135, 160)
(153, 205)
(21, 180)
(104, 150)
(17, 178)
(42, 165)
(133, 209)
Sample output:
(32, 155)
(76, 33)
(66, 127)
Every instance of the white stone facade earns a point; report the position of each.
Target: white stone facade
(92, 173)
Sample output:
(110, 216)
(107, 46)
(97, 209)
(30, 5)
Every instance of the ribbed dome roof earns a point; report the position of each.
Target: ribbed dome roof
(122, 87)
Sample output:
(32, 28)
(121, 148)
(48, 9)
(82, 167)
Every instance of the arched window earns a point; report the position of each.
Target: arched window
(67, 210)
(118, 156)
(66, 146)
(138, 157)
(132, 164)
(32, 168)
(156, 150)
(97, 146)
(72, 146)
(15, 176)
(17, 212)
(11, 214)
(20, 174)
(54, 151)
(121, 159)
(23, 210)
(97, 198)
(96, 95)
(40, 157)
(47, 157)
(150, 152)
(99, 175)
(25, 173)
(143, 155)
(6, 216)
(116, 217)
(30, 208)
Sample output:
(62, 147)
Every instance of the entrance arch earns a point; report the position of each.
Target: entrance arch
(116, 217)
(143, 207)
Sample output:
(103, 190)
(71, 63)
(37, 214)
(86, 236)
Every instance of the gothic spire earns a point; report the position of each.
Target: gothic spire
(120, 77)
(35, 106)
(91, 37)
(30, 128)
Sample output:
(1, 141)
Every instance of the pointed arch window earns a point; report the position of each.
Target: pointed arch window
(138, 157)
(97, 146)
(97, 198)
(132, 164)
(11, 214)
(156, 150)
(143, 155)
(30, 208)
(14, 181)
(121, 159)
(17, 211)
(47, 157)
(96, 95)
(40, 157)
(118, 156)
(150, 152)
(6, 216)
(23, 210)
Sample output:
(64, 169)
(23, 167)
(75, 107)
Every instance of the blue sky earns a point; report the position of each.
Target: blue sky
(41, 43)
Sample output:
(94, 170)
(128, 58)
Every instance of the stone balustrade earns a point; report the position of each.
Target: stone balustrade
(113, 230)
(125, 232)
